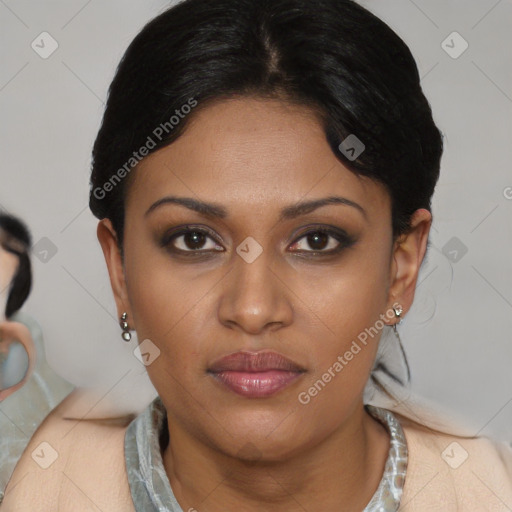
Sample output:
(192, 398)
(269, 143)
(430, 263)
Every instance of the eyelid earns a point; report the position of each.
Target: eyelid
(322, 228)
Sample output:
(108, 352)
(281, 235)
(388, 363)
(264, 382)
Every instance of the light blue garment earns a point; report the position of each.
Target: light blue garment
(151, 490)
(14, 366)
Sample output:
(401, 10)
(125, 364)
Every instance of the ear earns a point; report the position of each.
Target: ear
(408, 253)
(109, 244)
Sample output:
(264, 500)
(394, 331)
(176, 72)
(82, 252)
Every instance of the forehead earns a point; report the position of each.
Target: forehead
(251, 153)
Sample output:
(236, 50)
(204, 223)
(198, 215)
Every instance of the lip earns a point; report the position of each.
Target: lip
(255, 374)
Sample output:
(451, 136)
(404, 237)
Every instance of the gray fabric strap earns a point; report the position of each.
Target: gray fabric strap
(149, 485)
(388, 494)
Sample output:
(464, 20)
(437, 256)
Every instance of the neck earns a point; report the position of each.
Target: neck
(345, 469)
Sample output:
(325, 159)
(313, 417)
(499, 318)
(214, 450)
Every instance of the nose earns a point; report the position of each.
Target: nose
(255, 296)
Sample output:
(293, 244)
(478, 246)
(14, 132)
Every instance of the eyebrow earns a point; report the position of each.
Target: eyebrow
(215, 210)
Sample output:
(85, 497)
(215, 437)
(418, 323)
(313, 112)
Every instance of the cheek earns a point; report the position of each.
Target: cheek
(168, 308)
(155, 290)
(348, 296)
(164, 308)
(344, 321)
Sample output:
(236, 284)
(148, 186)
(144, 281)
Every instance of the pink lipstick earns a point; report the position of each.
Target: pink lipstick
(255, 374)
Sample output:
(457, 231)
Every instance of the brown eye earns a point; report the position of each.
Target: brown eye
(318, 241)
(322, 241)
(190, 240)
(194, 240)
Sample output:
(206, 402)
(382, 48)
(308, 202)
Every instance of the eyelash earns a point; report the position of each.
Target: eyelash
(345, 241)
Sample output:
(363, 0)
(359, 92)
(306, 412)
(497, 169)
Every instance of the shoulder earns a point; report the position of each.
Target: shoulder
(71, 464)
(450, 472)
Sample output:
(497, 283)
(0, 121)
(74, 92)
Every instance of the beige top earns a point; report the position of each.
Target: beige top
(85, 469)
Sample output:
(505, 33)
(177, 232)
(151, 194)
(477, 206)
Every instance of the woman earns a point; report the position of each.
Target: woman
(263, 178)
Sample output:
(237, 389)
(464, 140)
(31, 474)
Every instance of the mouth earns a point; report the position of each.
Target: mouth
(255, 374)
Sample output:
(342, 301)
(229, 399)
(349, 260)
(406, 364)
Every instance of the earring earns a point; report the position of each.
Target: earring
(126, 334)
(398, 311)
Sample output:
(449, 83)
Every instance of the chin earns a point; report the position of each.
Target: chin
(262, 436)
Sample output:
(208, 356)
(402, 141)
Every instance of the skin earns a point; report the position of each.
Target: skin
(254, 157)
(8, 266)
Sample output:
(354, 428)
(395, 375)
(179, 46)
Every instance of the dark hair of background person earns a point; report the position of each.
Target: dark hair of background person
(16, 239)
(332, 56)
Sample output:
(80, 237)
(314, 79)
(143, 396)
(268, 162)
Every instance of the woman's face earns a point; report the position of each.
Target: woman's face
(249, 278)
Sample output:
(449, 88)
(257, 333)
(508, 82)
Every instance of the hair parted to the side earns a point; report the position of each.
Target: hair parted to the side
(330, 55)
(16, 239)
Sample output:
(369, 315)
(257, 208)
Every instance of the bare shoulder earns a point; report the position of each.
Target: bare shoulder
(71, 464)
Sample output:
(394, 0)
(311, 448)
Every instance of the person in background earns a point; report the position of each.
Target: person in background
(29, 388)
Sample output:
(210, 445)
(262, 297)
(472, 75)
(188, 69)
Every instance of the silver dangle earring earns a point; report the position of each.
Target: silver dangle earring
(398, 310)
(126, 334)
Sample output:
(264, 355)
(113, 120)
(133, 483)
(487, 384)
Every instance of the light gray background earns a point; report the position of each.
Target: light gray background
(458, 335)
